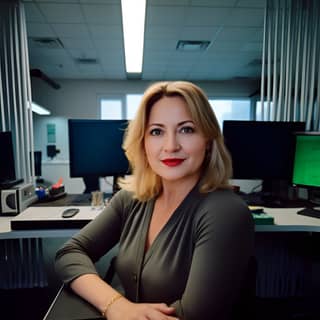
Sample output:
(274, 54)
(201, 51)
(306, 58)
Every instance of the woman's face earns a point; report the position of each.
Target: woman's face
(174, 145)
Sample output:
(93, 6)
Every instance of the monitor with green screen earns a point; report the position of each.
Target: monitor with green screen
(306, 168)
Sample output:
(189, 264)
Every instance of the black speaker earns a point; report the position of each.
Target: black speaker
(52, 151)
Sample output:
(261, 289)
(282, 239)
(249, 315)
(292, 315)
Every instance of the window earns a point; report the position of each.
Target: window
(118, 108)
(266, 113)
(231, 109)
(111, 109)
(133, 101)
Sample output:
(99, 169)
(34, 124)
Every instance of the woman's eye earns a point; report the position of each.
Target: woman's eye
(155, 132)
(187, 130)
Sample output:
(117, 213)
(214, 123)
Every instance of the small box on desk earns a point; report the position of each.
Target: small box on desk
(16, 199)
(262, 218)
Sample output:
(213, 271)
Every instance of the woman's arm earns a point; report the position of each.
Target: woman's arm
(224, 243)
(78, 255)
(113, 306)
(75, 265)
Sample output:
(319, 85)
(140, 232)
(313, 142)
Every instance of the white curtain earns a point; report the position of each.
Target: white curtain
(290, 77)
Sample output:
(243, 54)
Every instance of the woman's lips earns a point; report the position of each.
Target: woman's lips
(172, 162)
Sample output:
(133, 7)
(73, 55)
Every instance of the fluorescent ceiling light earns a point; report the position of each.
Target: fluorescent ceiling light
(39, 110)
(133, 20)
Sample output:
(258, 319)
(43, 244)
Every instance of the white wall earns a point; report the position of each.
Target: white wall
(80, 99)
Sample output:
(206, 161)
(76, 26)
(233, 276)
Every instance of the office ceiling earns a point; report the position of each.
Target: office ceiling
(82, 39)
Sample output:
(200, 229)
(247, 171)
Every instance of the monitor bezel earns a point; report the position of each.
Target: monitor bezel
(300, 185)
(264, 177)
(106, 173)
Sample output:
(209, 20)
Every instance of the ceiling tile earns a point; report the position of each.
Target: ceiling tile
(162, 32)
(108, 45)
(93, 2)
(102, 14)
(245, 17)
(204, 16)
(239, 34)
(39, 30)
(83, 53)
(107, 32)
(62, 13)
(71, 30)
(75, 43)
(198, 33)
(165, 16)
(251, 3)
(214, 3)
(33, 14)
(168, 2)
(55, 1)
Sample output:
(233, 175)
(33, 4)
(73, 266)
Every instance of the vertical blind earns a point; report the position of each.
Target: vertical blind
(15, 89)
(21, 260)
(290, 86)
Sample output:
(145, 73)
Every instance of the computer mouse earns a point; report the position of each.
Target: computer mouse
(70, 212)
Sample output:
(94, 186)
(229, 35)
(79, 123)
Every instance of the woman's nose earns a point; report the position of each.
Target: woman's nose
(171, 143)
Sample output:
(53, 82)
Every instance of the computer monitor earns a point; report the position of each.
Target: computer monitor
(95, 150)
(7, 166)
(262, 150)
(306, 165)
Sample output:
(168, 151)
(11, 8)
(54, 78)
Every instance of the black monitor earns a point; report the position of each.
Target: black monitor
(262, 150)
(306, 167)
(7, 167)
(95, 150)
(37, 163)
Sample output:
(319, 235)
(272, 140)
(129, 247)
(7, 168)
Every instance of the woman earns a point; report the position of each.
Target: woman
(185, 239)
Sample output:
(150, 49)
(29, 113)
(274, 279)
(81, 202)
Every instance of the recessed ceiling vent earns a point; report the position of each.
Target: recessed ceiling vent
(47, 43)
(192, 45)
(86, 60)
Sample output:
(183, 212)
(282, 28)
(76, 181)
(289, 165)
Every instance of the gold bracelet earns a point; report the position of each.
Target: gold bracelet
(113, 299)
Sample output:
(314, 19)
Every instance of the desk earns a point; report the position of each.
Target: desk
(35, 216)
(285, 220)
(68, 306)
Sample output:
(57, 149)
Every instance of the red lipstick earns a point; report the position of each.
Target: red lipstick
(172, 162)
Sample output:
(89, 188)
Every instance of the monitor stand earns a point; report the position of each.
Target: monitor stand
(273, 194)
(312, 210)
(91, 183)
(115, 186)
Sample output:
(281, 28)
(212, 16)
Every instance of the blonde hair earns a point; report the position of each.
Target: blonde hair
(217, 167)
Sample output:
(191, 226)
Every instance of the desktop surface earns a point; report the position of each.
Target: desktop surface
(69, 306)
(34, 218)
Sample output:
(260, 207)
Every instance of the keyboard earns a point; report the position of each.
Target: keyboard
(310, 212)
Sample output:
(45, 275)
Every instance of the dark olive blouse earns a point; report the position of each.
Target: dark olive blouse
(197, 263)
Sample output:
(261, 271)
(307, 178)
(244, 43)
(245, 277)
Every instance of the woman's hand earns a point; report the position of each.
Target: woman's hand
(123, 309)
